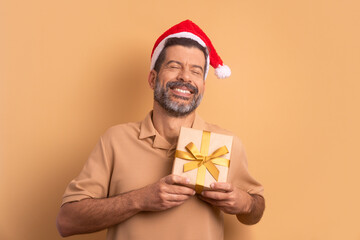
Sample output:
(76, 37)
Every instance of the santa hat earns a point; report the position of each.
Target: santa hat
(188, 29)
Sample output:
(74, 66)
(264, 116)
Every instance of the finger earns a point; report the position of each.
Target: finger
(180, 190)
(177, 198)
(203, 198)
(215, 195)
(209, 200)
(168, 204)
(176, 179)
(215, 203)
(222, 186)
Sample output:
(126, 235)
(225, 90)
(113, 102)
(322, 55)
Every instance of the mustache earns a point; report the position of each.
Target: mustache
(192, 88)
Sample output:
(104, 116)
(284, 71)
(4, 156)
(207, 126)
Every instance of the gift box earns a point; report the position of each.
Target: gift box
(203, 157)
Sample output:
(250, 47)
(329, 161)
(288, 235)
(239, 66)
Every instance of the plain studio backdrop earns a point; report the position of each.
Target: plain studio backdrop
(71, 69)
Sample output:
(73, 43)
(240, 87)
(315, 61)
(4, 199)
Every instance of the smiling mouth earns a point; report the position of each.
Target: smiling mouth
(182, 91)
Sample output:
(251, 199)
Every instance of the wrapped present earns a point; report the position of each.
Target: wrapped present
(203, 157)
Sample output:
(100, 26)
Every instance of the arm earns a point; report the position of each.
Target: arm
(248, 208)
(90, 215)
(256, 211)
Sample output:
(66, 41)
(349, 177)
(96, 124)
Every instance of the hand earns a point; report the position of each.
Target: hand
(228, 198)
(167, 193)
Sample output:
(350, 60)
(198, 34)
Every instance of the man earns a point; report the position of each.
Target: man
(126, 184)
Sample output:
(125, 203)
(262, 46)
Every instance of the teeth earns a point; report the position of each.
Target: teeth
(182, 91)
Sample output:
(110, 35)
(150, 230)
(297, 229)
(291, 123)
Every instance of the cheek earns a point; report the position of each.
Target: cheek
(170, 75)
(201, 86)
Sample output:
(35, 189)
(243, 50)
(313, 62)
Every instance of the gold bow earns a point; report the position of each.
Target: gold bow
(203, 161)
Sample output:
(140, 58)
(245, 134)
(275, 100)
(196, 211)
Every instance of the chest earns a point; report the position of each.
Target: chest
(138, 165)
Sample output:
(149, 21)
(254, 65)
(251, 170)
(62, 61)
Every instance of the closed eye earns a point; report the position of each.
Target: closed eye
(174, 66)
(197, 70)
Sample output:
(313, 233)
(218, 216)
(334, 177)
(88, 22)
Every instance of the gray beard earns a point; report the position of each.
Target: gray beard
(161, 95)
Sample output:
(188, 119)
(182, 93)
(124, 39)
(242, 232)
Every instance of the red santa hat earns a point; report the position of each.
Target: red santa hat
(188, 29)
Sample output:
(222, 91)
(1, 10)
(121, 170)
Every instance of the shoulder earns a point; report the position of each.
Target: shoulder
(124, 130)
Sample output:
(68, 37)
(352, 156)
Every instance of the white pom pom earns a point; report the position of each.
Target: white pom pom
(222, 71)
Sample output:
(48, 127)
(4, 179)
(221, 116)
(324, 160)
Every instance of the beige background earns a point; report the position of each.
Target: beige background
(71, 69)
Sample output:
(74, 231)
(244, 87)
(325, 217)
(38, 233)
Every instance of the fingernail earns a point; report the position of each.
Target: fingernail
(187, 180)
(212, 185)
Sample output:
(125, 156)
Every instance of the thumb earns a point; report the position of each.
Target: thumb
(176, 179)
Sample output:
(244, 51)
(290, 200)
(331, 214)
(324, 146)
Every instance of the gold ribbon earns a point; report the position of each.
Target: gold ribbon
(203, 161)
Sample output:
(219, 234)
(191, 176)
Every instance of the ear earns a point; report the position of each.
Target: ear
(152, 78)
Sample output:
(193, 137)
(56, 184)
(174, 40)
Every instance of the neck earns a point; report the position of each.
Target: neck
(169, 126)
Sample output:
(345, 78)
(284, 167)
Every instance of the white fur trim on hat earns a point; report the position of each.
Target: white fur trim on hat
(223, 71)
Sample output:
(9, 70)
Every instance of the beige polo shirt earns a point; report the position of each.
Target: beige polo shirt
(132, 155)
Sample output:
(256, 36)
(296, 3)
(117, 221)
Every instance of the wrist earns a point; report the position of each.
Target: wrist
(135, 201)
(130, 201)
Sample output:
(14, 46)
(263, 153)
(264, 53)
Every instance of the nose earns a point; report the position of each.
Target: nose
(184, 75)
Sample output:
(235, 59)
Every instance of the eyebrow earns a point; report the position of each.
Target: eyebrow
(177, 62)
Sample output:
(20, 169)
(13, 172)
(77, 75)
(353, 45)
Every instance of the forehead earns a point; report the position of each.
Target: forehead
(186, 55)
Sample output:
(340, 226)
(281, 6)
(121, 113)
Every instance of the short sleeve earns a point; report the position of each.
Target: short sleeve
(93, 180)
(238, 173)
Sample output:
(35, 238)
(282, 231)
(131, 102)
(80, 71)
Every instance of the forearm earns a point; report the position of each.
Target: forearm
(90, 215)
(256, 212)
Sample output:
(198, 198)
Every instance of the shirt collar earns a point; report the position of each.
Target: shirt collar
(147, 130)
